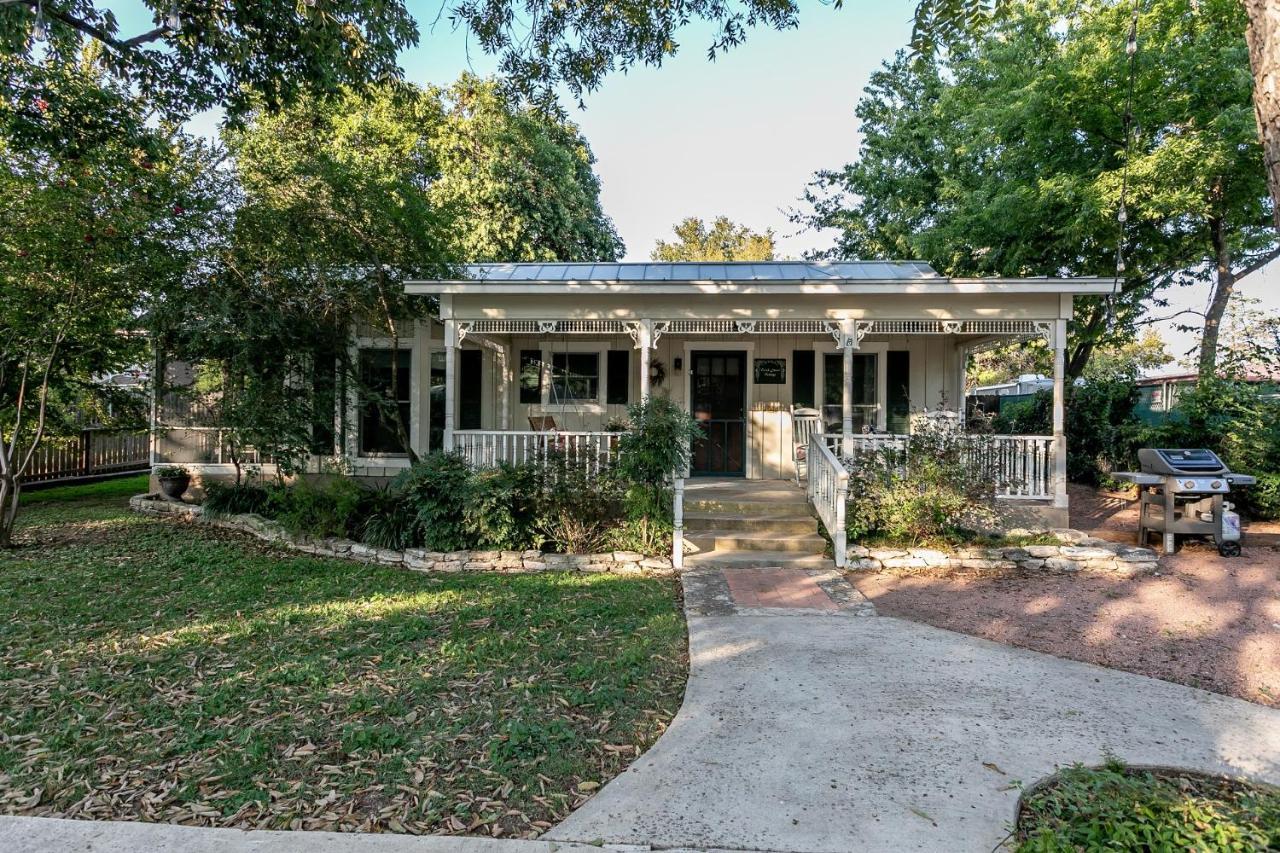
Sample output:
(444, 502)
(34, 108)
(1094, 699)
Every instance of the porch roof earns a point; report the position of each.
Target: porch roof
(737, 277)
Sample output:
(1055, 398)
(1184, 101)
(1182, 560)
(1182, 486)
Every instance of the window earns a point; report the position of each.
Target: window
(530, 376)
(802, 378)
(436, 438)
(381, 399)
(864, 391)
(575, 377)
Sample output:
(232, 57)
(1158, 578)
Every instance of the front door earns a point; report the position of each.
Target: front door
(719, 402)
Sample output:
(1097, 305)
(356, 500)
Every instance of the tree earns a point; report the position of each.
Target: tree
(99, 212)
(946, 22)
(1013, 156)
(520, 184)
(200, 55)
(723, 241)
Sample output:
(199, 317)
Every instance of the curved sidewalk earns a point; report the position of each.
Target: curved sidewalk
(811, 733)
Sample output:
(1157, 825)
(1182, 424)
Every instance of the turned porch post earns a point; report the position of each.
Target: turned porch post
(644, 343)
(1059, 430)
(848, 342)
(450, 381)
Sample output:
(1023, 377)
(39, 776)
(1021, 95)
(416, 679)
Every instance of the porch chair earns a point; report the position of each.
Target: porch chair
(543, 423)
(805, 423)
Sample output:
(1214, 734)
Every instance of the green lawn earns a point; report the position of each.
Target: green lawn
(151, 670)
(1119, 808)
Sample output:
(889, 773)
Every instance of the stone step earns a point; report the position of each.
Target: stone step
(730, 540)
(757, 560)
(698, 522)
(747, 509)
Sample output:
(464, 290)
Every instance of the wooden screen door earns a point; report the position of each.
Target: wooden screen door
(719, 401)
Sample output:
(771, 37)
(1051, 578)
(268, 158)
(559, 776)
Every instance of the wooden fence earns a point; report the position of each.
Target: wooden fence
(94, 452)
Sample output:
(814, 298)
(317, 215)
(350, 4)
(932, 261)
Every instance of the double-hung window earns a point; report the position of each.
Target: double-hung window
(575, 377)
(381, 398)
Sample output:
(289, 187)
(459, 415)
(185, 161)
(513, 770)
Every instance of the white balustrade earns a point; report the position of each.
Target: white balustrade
(483, 448)
(828, 490)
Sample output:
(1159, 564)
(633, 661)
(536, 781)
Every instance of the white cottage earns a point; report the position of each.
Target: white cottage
(524, 357)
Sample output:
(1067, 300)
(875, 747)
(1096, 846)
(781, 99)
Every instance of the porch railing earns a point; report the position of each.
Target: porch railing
(1021, 466)
(484, 448)
(828, 488)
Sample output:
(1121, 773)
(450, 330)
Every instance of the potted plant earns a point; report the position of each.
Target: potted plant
(174, 480)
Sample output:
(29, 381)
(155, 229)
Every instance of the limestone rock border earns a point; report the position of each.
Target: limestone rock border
(1078, 552)
(414, 559)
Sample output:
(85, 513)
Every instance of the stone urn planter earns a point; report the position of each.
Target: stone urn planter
(173, 480)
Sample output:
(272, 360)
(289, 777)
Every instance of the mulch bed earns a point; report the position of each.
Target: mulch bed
(1204, 620)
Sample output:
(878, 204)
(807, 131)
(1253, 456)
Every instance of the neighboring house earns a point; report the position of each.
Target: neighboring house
(523, 349)
(1158, 395)
(992, 399)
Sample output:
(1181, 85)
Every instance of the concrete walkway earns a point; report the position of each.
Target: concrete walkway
(808, 733)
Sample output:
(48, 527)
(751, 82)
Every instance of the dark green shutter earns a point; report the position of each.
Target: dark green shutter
(802, 362)
(470, 391)
(530, 376)
(898, 380)
(619, 376)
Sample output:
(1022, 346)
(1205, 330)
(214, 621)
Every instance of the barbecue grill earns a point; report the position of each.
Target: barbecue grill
(1182, 491)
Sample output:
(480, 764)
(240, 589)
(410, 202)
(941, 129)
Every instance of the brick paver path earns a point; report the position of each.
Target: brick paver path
(777, 587)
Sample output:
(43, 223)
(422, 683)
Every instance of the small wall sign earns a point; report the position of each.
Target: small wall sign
(771, 371)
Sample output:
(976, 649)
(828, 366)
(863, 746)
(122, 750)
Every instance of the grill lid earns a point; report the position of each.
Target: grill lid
(1178, 461)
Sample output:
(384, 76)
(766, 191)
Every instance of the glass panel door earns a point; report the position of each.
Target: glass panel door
(718, 382)
(865, 393)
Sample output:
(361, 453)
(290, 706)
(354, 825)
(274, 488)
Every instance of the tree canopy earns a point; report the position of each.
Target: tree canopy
(723, 241)
(1009, 156)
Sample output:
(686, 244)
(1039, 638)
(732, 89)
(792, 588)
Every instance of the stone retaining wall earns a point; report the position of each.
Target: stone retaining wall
(1078, 552)
(415, 559)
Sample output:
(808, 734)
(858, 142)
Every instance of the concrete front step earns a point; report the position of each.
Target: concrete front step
(748, 509)
(758, 559)
(698, 522)
(726, 540)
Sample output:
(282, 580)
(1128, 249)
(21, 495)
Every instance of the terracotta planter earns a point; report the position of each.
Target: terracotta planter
(174, 487)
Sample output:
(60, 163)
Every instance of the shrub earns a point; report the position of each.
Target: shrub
(389, 522)
(435, 491)
(928, 489)
(500, 506)
(578, 513)
(228, 499)
(336, 507)
(656, 447)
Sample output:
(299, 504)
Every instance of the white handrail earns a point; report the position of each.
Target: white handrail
(828, 490)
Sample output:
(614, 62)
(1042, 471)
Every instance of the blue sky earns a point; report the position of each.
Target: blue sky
(740, 136)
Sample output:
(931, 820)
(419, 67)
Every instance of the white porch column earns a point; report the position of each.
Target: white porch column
(848, 343)
(644, 343)
(450, 381)
(504, 355)
(1059, 431)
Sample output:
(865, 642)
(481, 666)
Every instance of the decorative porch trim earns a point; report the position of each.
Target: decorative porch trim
(1028, 328)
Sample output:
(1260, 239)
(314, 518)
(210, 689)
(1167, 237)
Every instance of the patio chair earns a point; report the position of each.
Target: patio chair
(805, 423)
(543, 423)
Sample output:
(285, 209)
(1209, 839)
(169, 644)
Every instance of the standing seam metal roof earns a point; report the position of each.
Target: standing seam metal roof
(693, 272)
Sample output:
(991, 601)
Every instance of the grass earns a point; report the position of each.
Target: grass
(156, 671)
(1115, 807)
(121, 487)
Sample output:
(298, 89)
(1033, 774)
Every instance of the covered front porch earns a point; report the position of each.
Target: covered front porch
(537, 386)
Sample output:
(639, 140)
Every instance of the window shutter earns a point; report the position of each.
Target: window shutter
(619, 374)
(802, 377)
(898, 380)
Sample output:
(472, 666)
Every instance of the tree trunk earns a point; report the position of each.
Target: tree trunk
(1263, 37)
(1224, 284)
(9, 493)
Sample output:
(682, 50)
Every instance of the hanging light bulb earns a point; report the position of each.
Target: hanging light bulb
(173, 21)
(39, 30)
(1132, 47)
(1119, 263)
(1122, 215)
